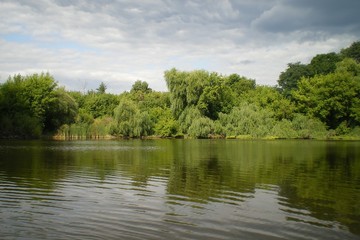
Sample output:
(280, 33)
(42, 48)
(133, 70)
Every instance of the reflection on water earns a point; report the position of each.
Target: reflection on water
(187, 189)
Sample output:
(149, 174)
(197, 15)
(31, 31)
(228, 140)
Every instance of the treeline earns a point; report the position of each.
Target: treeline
(33, 105)
(316, 100)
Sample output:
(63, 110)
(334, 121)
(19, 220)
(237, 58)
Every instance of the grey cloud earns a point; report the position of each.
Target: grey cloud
(120, 41)
(330, 16)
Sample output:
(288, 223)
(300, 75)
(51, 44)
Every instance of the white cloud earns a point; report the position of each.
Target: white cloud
(118, 42)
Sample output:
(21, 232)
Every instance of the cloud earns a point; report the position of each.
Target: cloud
(118, 42)
(329, 16)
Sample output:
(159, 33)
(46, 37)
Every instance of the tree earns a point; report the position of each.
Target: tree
(102, 88)
(247, 119)
(100, 105)
(288, 80)
(210, 93)
(33, 104)
(352, 52)
(187, 117)
(201, 128)
(143, 125)
(140, 86)
(175, 81)
(61, 111)
(130, 122)
(196, 81)
(165, 124)
(270, 99)
(349, 65)
(324, 63)
(39, 92)
(239, 85)
(214, 100)
(300, 126)
(16, 117)
(332, 98)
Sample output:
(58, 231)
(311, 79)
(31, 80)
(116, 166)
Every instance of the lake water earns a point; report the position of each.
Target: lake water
(179, 189)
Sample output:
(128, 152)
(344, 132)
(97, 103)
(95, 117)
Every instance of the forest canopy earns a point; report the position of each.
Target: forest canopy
(316, 100)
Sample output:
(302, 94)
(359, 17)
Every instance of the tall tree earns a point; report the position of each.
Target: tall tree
(175, 81)
(39, 92)
(102, 88)
(289, 79)
(140, 86)
(99, 105)
(352, 52)
(269, 98)
(239, 85)
(324, 63)
(33, 104)
(62, 111)
(130, 122)
(333, 98)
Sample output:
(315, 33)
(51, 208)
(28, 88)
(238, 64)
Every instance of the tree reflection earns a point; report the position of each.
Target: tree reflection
(322, 178)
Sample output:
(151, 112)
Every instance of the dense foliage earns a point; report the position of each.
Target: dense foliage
(316, 100)
(33, 105)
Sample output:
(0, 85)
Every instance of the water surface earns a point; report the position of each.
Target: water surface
(179, 189)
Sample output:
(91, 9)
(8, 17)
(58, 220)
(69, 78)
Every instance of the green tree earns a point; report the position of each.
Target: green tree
(39, 92)
(102, 88)
(247, 119)
(152, 100)
(214, 100)
(31, 105)
(165, 123)
(201, 128)
(16, 117)
(324, 63)
(99, 105)
(348, 65)
(11, 98)
(239, 85)
(352, 52)
(289, 79)
(187, 117)
(130, 122)
(61, 111)
(140, 86)
(196, 81)
(269, 98)
(143, 125)
(300, 126)
(176, 84)
(332, 98)
(210, 93)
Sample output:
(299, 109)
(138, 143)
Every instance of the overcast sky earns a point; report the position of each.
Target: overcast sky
(83, 43)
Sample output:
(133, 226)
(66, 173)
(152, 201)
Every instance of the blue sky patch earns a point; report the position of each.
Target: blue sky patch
(17, 37)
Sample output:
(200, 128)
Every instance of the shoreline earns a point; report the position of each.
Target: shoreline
(154, 137)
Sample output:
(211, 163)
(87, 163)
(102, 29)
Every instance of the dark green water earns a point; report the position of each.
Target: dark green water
(179, 189)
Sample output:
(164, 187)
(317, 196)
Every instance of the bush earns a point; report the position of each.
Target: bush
(247, 119)
(284, 129)
(201, 128)
(307, 127)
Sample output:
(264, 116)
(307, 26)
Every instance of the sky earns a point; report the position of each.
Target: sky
(85, 42)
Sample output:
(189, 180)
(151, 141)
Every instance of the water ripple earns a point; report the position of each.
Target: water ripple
(144, 195)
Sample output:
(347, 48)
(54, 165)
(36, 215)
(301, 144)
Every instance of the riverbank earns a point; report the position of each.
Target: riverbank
(179, 136)
(239, 137)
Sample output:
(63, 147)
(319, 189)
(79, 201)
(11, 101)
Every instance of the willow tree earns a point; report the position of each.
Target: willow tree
(130, 121)
(176, 84)
(211, 93)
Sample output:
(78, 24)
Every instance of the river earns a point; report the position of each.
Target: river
(179, 189)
